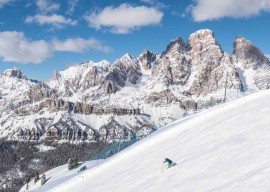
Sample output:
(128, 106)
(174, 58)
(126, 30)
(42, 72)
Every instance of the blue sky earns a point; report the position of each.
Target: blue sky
(39, 36)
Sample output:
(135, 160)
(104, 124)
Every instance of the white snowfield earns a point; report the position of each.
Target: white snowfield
(226, 148)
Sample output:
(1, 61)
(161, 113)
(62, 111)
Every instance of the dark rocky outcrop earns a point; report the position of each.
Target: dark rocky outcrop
(248, 57)
(147, 58)
(15, 72)
(41, 91)
(86, 109)
(248, 54)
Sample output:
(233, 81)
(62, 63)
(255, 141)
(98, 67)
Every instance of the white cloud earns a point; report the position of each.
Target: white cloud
(154, 3)
(47, 6)
(46, 15)
(15, 47)
(55, 20)
(71, 6)
(79, 45)
(4, 2)
(268, 56)
(204, 10)
(124, 18)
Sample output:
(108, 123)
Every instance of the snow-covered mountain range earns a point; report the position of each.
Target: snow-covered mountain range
(133, 96)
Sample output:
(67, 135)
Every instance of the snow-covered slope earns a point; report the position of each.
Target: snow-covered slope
(225, 148)
(59, 175)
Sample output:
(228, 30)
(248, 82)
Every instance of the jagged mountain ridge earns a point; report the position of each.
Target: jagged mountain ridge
(134, 95)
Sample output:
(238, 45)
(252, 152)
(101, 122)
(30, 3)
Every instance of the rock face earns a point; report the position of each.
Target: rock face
(42, 91)
(248, 54)
(131, 97)
(211, 63)
(147, 59)
(14, 72)
(130, 69)
(173, 64)
(249, 59)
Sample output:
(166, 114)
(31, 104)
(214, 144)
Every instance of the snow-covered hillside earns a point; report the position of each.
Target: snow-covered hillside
(226, 148)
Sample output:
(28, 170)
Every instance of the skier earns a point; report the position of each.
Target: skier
(170, 162)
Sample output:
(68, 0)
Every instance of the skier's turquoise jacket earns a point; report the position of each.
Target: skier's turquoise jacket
(168, 161)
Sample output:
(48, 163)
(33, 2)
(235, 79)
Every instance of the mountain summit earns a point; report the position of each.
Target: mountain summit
(14, 72)
(133, 96)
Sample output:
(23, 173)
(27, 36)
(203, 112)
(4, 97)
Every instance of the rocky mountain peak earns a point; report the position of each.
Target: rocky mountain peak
(206, 34)
(127, 60)
(128, 56)
(204, 49)
(241, 42)
(129, 67)
(146, 52)
(56, 75)
(175, 46)
(209, 61)
(104, 63)
(245, 52)
(147, 58)
(249, 59)
(173, 66)
(202, 40)
(14, 72)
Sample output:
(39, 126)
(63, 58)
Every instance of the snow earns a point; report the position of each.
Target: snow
(96, 121)
(246, 77)
(163, 114)
(225, 148)
(58, 175)
(23, 122)
(43, 148)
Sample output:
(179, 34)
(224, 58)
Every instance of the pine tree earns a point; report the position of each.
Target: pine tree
(69, 163)
(43, 179)
(72, 163)
(27, 180)
(36, 177)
